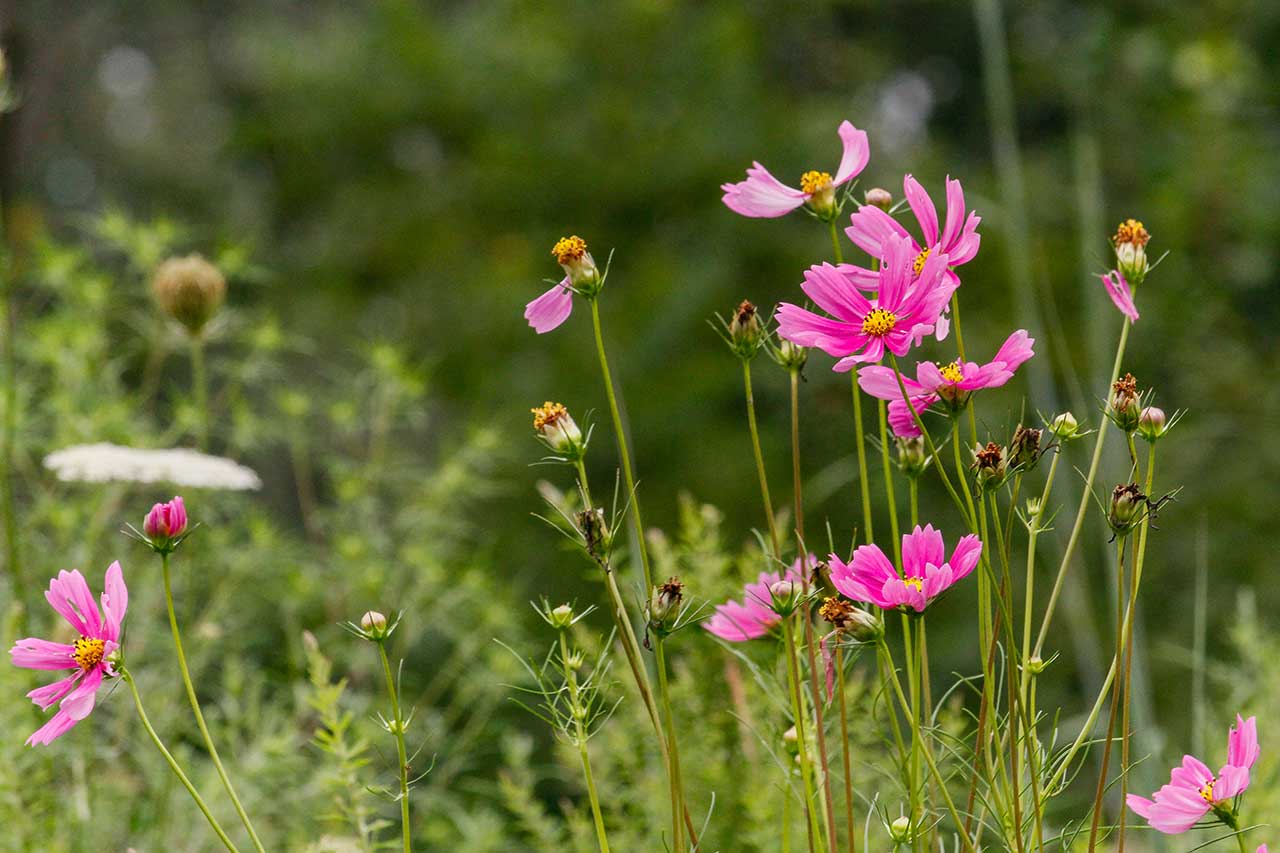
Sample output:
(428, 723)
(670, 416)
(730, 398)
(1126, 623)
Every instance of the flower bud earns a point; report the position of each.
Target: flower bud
(561, 617)
(373, 622)
(791, 355)
(745, 332)
(1035, 665)
(1130, 242)
(190, 290)
(1152, 423)
(572, 255)
(1024, 448)
(1128, 508)
(1065, 426)
(900, 830)
(912, 456)
(594, 530)
(165, 524)
(557, 429)
(879, 197)
(991, 464)
(1125, 405)
(791, 740)
(822, 194)
(665, 602)
(783, 596)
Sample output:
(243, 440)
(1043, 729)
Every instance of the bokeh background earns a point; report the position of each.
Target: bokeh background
(383, 180)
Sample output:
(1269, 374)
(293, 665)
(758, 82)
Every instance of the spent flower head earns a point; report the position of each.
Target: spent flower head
(991, 465)
(1125, 404)
(1024, 448)
(1130, 242)
(1129, 505)
(556, 428)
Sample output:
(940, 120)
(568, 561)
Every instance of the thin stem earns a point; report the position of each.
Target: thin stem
(1085, 497)
(890, 497)
(835, 241)
(571, 679)
(398, 722)
(677, 793)
(200, 384)
(760, 471)
(173, 764)
(928, 440)
(802, 743)
(1115, 698)
(623, 451)
(960, 470)
(798, 497)
(861, 440)
(844, 750)
(195, 708)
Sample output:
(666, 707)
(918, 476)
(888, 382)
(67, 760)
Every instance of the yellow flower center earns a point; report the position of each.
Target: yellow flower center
(569, 249)
(813, 181)
(951, 372)
(918, 264)
(1207, 791)
(1131, 231)
(88, 652)
(879, 322)
(547, 414)
(915, 583)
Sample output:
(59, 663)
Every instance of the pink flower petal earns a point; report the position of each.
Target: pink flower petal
(856, 153)
(34, 653)
(550, 309)
(761, 195)
(1118, 290)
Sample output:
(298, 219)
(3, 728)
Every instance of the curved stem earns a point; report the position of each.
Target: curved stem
(173, 764)
(398, 722)
(624, 452)
(760, 472)
(195, 708)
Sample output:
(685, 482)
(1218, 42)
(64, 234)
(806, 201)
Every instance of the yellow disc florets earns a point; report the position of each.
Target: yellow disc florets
(1131, 232)
(568, 249)
(1207, 791)
(916, 583)
(88, 652)
(547, 414)
(951, 372)
(814, 182)
(918, 264)
(879, 322)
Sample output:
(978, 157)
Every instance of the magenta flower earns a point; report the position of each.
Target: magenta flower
(871, 577)
(910, 300)
(901, 420)
(952, 382)
(1193, 791)
(762, 195)
(752, 618)
(1118, 289)
(871, 228)
(166, 520)
(89, 656)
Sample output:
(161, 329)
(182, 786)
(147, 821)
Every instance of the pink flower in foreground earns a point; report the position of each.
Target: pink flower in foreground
(89, 656)
(871, 577)
(1118, 290)
(752, 618)
(871, 228)
(166, 520)
(762, 195)
(1193, 791)
(581, 275)
(910, 300)
(952, 382)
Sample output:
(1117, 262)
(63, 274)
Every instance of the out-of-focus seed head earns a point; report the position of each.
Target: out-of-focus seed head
(190, 290)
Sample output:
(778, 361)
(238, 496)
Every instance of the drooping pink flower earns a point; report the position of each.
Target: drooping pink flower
(752, 617)
(909, 301)
(927, 573)
(1121, 295)
(166, 520)
(550, 309)
(870, 228)
(762, 195)
(952, 382)
(1193, 791)
(581, 275)
(901, 420)
(89, 656)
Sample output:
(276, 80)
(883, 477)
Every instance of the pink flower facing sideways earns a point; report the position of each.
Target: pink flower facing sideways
(927, 573)
(762, 195)
(165, 523)
(1193, 791)
(89, 656)
(1118, 289)
(752, 617)
(581, 275)
(911, 296)
(871, 228)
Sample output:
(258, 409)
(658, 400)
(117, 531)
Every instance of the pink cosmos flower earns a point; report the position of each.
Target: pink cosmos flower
(1193, 791)
(752, 618)
(166, 520)
(901, 421)
(551, 308)
(871, 577)
(1118, 289)
(871, 228)
(909, 302)
(89, 656)
(953, 382)
(762, 195)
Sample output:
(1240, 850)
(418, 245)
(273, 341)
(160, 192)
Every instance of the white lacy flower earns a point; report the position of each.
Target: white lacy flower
(107, 463)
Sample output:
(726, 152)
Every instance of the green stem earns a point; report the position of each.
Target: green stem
(1085, 497)
(623, 451)
(798, 496)
(760, 471)
(200, 384)
(571, 679)
(890, 496)
(677, 793)
(398, 722)
(173, 764)
(960, 470)
(802, 742)
(844, 750)
(835, 241)
(861, 439)
(928, 440)
(195, 708)
(1115, 698)
(909, 652)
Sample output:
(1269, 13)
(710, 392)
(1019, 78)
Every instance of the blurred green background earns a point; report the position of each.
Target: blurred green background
(394, 173)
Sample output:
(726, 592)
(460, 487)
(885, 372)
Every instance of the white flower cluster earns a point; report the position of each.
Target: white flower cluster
(112, 463)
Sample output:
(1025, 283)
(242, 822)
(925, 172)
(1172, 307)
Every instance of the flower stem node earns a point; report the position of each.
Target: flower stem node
(572, 255)
(1065, 426)
(1130, 242)
(1036, 665)
(556, 429)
